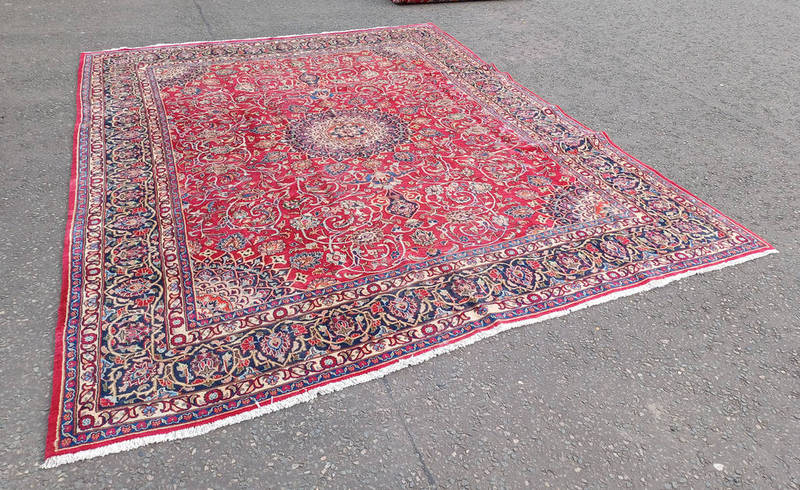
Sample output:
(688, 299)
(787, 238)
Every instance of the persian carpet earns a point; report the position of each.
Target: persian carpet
(253, 223)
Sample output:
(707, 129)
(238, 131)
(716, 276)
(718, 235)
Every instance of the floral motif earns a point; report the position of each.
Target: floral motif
(306, 260)
(342, 329)
(138, 373)
(205, 364)
(275, 345)
(132, 332)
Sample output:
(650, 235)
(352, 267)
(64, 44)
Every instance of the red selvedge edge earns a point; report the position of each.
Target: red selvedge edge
(58, 358)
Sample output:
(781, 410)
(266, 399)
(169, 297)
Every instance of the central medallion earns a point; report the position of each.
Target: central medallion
(347, 133)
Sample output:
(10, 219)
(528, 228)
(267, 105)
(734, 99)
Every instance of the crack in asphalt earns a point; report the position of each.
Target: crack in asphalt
(425, 469)
(203, 16)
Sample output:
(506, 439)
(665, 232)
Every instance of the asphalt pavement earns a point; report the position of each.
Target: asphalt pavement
(696, 384)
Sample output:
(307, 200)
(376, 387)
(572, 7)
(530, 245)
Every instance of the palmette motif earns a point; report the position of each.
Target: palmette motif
(254, 219)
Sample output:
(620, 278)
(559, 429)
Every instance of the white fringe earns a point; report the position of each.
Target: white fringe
(363, 29)
(312, 393)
